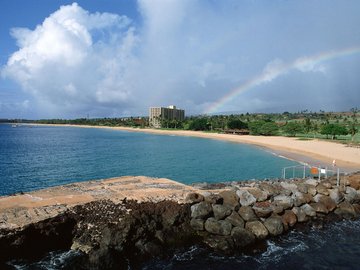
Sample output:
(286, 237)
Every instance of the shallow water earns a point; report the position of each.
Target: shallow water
(43, 156)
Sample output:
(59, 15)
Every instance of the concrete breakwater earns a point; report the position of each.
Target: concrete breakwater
(113, 223)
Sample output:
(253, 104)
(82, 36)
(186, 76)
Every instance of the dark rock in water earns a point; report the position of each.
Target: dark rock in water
(197, 224)
(346, 210)
(194, 198)
(222, 243)
(257, 228)
(274, 225)
(219, 227)
(201, 210)
(247, 213)
(221, 211)
(235, 220)
(242, 237)
(230, 199)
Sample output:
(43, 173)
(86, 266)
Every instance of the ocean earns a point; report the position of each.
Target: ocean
(35, 157)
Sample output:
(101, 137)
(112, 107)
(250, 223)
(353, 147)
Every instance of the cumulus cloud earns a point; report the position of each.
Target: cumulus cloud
(75, 58)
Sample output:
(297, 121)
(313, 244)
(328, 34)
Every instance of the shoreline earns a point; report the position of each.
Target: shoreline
(314, 152)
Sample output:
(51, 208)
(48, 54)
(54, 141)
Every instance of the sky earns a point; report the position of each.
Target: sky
(114, 58)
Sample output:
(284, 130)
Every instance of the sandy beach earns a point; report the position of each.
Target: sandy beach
(313, 152)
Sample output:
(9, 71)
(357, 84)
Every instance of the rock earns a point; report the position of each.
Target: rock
(312, 182)
(285, 201)
(277, 209)
(219, 227)
(247, 213)
(214, 199)
(336, 195)
(309, 210)
(289, 186)
(222, 243)
(230, 198)
(221, 211)
(235, 220)
(259, 194)
(242, 237)
(300, 198)
(301, 214)
(194, 198)
(312, 190)
(327, 201)
(350, 194)
(263, 209)
(354, 181)
(346, 210)
(303, 188)
(257, 228)
(274, 225)
(201, 210)
(197, 224)
(319, 207)
(246, 198)
(322, 189)
(270, 189)
(326, 184)
(288, 219)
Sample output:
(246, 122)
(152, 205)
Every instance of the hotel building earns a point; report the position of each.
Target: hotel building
(158, 114)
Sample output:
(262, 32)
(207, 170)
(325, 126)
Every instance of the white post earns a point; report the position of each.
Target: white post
(338, 177)
(325, 172)
(319, 173)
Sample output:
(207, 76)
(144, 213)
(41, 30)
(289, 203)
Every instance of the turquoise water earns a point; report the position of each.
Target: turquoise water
(42, 156)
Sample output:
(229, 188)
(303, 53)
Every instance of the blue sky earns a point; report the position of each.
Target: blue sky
(107, 58)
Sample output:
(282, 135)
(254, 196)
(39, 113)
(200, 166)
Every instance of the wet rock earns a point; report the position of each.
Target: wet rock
(194, 198)
(247, 213)
(309, 210)
(257, 228)
(221, 211)
(322, 189)
(222, 243)
(235, 220)
(263, 209)
(242, 237)
(219, 227)
(288, 219)
(246, 198)
(350, 194)
(274, 225)
(312, 182)
(197, 224)
(346, 210)
(259, 194)
(230, 199)
(319, 207)
(336, 195)
(213, 199)
(285, 201)
(201, 210)
(301, 214)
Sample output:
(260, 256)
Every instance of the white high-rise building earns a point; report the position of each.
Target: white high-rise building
(158, 114)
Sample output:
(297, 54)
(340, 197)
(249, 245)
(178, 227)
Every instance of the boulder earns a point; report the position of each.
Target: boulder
(303, 188)
(346, 210)
(285, 201)
(322, 189)
(270, 189)
(277, 209)
(354, 181)
(247, 213)
(312, 182)
(213, 199)
(263, 209)
(326, 184)
(194, 197)
(309, 210)
(301, 214)
(197, 224)
(242, 237)
(230, 199)
(221, 211)
(235, 220)
(257, 228)
(336, 195)
(274, 225)
(312, 190)
(288, 219)
(246, 198)
(259, 194)
(299, 198)
(201, 210)
(289, 186)
(221, 243)
(328, 202)
(319, 207)
(350, 194)
(219, 227)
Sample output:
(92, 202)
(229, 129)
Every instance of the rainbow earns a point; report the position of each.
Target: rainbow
(278, 68)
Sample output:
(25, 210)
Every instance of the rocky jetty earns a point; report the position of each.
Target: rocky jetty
(119, 222)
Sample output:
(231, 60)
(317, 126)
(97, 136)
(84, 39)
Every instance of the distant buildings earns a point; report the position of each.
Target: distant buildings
(158, 115)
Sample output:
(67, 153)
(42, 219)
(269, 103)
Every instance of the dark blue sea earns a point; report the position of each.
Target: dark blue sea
(34, 157)
(42, 156)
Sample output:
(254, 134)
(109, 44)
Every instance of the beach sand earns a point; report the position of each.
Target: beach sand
(314, 152)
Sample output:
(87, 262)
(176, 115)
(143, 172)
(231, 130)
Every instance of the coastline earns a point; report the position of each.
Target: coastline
(314, 152)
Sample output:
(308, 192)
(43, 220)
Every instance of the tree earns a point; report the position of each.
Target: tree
(199, 124)
(291, 128)
(307, 125)
(236, 124)
(333, 130)
(269, 129)
(353, 130)
(255, 127)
